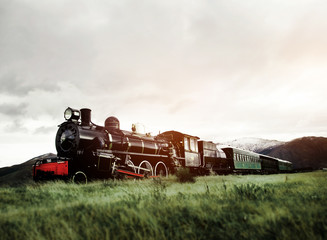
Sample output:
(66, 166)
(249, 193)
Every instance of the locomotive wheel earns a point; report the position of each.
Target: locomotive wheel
(80, 178)
(145, 164)
(161, 170)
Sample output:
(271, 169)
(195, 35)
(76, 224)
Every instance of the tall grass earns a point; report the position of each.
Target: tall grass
(217, 207)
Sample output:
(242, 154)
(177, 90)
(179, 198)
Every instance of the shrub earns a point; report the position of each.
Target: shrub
(184, 175)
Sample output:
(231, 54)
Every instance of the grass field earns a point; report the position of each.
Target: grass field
(284, 206)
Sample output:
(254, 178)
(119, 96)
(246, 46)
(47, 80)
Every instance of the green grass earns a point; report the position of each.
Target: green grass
(291, 206)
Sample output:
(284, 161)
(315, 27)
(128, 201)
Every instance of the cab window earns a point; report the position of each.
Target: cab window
(193, 145)
(186, 143)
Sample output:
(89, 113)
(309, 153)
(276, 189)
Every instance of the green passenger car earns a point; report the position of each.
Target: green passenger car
(284, 166)
(269, 164)
(243, 160)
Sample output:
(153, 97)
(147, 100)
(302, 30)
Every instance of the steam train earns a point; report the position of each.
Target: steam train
(89, 151)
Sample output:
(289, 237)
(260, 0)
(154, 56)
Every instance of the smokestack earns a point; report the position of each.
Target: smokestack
(86, 116)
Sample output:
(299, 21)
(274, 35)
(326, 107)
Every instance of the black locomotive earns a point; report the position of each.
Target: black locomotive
(89, 151)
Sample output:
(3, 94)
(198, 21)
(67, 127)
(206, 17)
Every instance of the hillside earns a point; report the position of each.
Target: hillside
(20, 173)
(306, 152)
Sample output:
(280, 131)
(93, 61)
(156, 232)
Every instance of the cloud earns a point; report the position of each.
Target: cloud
(209, 68)
(13, 110)
(16, 126)
(18, 86)
(41, 46)
(44, 130)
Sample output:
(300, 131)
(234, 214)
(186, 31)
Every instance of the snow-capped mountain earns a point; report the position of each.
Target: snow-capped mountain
(253, 144)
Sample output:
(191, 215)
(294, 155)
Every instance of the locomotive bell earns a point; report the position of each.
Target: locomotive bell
(138, 128)
(112, 123)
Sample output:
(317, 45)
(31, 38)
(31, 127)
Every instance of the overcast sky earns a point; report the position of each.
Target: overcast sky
(220, 70)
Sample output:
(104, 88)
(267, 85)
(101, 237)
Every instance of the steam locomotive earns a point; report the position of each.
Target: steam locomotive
(88, 151)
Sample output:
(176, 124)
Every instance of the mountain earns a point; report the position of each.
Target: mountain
(304, 153)
(253, 144)
(20, 173)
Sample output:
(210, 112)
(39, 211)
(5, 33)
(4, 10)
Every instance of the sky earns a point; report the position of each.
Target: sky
(219, 70)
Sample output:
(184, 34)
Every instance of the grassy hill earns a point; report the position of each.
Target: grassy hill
(277, 206)
(21, 173)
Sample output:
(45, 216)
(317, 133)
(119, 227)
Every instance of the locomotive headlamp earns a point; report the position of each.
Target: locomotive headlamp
(71, 114)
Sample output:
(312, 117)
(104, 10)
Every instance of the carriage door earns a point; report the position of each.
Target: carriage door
(192, 156)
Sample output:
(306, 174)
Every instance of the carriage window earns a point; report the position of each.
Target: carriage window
(193, 145)
(186, 143)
